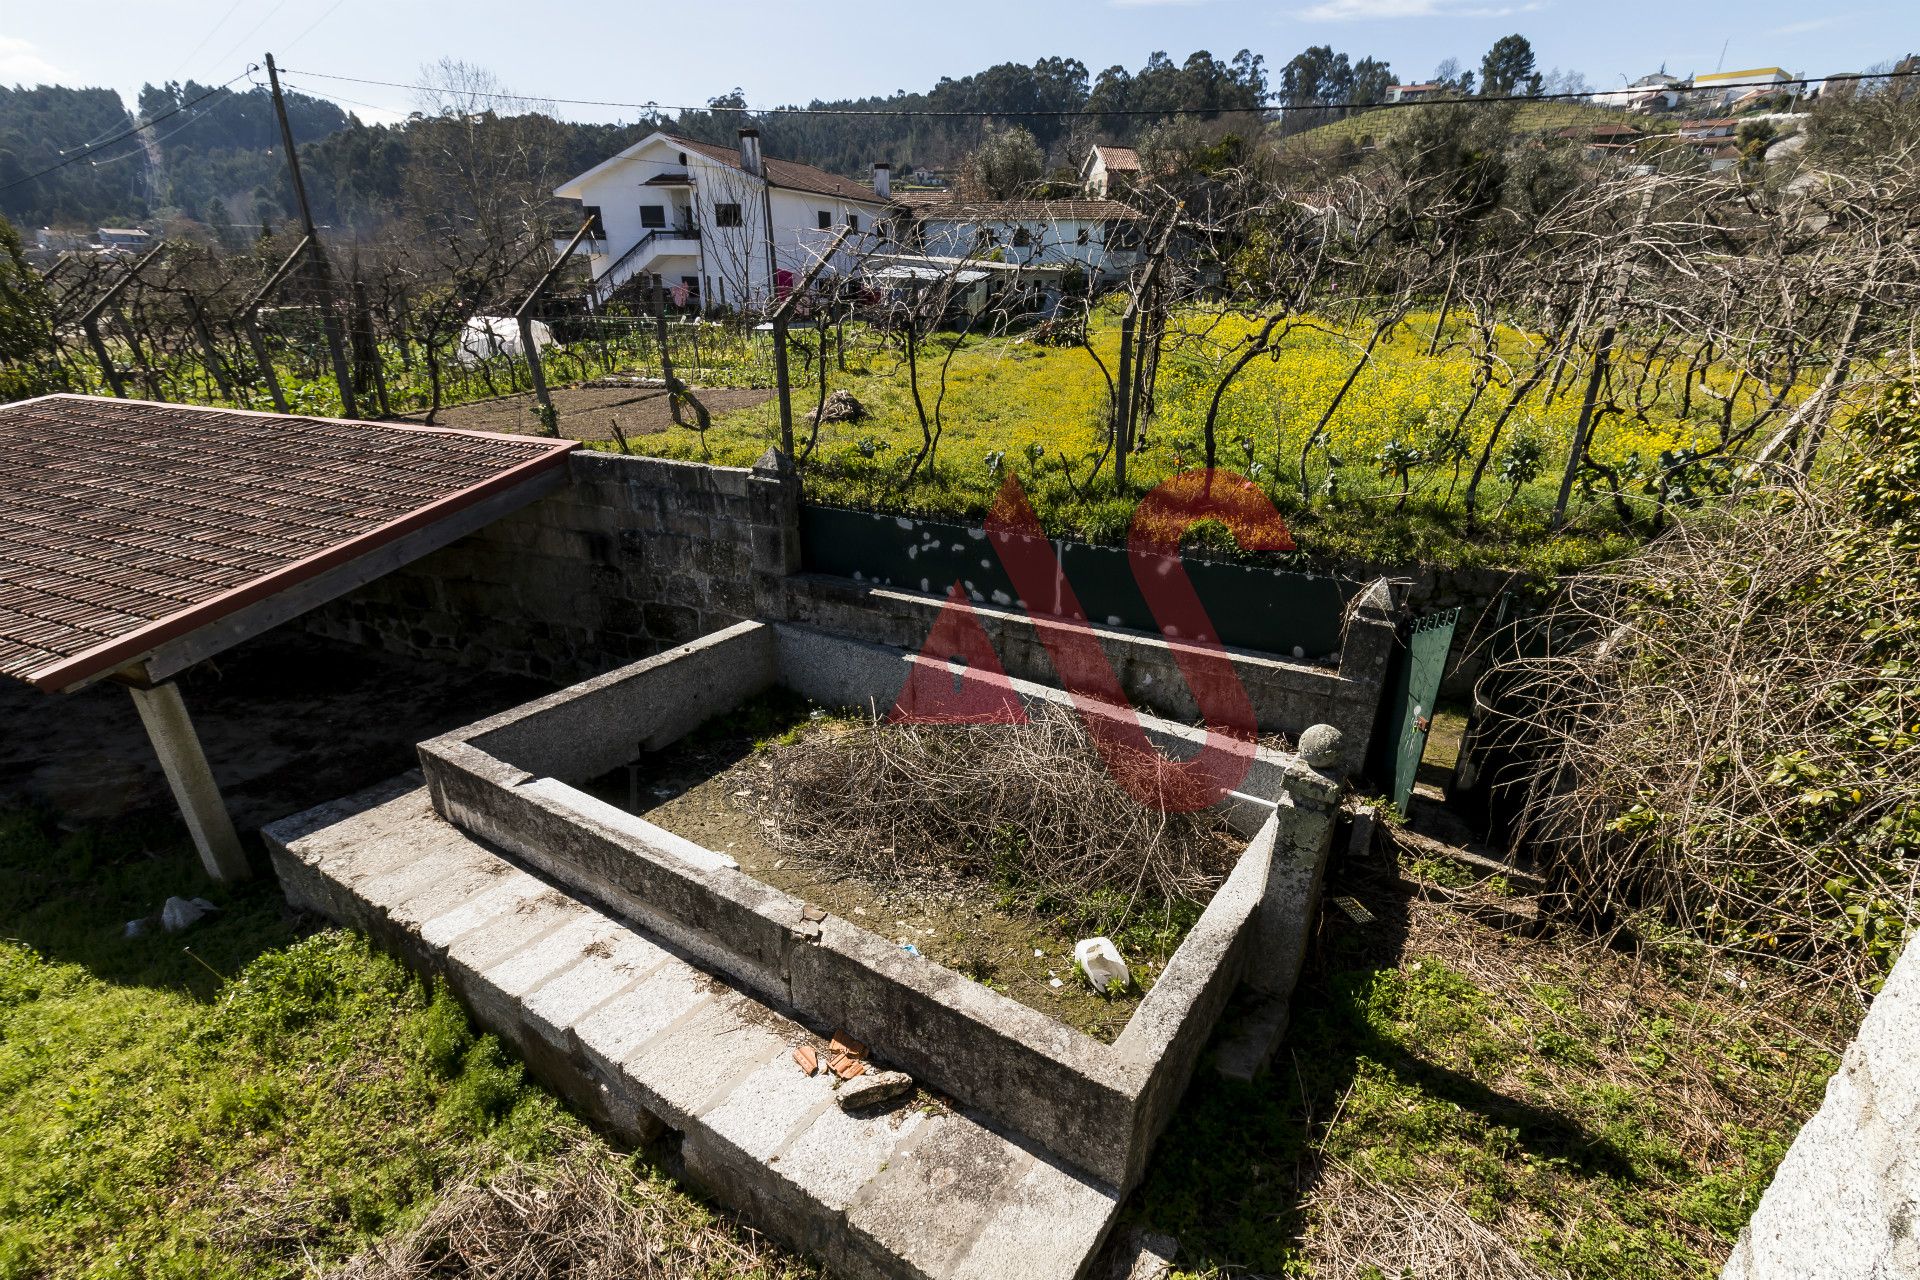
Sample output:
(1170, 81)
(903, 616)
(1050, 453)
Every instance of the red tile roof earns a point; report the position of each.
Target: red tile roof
(125, 524)
(1119, 158)
(788, 173)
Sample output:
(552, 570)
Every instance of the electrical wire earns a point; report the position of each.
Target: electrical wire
(1155, 112)
(87, 152)
(210, 33)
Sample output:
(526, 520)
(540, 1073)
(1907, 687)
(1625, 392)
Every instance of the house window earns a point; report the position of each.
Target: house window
(853, 222)
(1022, 238)
(1081, 236)
(653, 215)
(825, 217)
(597, 231)
(727, 215)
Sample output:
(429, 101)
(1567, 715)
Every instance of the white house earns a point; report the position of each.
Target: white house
(1722, 87)
(1415, 92)
(1109, 171)
(1656, 92)
(693, 215)
(1101, 237)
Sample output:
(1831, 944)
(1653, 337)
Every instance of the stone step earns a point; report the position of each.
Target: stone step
(640, 1039)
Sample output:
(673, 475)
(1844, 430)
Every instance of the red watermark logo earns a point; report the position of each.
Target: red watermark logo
(959, 679)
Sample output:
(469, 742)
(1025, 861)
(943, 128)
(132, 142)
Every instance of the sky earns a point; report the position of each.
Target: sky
(643, 51)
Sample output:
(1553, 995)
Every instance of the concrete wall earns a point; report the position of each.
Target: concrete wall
(1287, 696)
(636, 555)
(1099, 1107)
(1845, 1203)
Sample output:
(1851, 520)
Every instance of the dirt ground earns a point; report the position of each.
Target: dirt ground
(288, 721)
(585, 411)
(711, 788)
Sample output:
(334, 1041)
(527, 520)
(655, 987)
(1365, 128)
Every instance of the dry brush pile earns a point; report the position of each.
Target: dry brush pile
(588, 1217)
(1725, 728)
(1032, 807)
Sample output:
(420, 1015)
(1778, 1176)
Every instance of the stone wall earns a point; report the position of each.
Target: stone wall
(1845, 1203)
(639, 554)
(635, 555)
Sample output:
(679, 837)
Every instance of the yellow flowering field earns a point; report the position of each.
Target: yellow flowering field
(1012, 404)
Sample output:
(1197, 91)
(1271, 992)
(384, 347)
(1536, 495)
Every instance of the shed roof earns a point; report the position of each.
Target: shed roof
(126, 525)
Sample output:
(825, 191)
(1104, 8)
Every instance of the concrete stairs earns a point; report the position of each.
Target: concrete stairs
(641, 1040)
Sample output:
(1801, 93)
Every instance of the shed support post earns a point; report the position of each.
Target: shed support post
(170, 730)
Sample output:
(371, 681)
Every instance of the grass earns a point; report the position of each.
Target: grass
(1039, 411)
(1368, 127)
(1453, 1099)
(263, 1105)
(1458, 1100)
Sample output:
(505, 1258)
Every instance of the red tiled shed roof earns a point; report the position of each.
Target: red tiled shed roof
(125, 524)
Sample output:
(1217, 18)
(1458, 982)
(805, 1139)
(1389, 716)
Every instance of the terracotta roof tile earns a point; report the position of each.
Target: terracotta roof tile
(123, 521)
(788, 173)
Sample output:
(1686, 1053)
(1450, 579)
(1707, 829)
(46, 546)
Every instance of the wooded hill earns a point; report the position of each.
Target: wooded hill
(219, 164)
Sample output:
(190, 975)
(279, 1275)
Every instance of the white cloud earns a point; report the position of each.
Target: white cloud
(1378, 10)
(1154, 4)
(21, 63)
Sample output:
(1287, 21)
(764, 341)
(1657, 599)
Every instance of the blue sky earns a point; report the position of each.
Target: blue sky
(685, 52)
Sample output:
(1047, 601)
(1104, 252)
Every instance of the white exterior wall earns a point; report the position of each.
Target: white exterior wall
(729, 262)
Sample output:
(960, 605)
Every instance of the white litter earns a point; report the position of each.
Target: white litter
(490, 337)
(180, 913)
(1101, 962)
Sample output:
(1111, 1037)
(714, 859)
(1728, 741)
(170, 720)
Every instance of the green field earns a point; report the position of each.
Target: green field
(1385, 483)
(250, 1100)
(1368, 127)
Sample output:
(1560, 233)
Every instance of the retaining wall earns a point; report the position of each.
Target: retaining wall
(634, 556)
(637, 555)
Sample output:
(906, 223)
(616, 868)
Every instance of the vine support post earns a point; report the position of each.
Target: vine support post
(90, 323)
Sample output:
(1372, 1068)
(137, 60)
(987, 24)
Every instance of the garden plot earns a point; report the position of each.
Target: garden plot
(989, 850)
(521, 780)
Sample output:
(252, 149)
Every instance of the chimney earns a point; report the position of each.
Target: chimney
(750, 153)
(883, 180)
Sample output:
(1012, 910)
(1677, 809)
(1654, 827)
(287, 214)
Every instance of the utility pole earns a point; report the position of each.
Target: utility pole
(317, 259)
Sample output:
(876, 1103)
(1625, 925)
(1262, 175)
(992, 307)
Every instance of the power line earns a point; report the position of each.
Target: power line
(87, 152)
(1155, 112)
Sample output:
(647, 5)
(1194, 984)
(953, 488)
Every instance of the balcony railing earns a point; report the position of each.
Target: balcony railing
(628, 263)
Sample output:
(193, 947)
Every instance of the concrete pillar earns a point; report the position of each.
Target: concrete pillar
(773, 494)
(194, 789)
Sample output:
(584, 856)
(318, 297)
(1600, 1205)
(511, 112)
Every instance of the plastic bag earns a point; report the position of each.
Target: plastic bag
(1105, 969)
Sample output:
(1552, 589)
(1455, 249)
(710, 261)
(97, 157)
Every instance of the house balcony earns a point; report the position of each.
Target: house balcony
(587, 249)
(660, 242)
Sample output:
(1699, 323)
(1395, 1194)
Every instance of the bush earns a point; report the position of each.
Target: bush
(1724, 730)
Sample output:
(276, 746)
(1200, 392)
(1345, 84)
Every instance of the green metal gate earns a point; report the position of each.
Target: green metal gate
(1416, 685)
